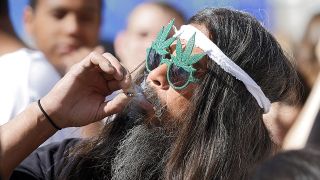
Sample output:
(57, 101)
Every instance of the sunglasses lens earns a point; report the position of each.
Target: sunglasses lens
(153, 59)
(178, 76)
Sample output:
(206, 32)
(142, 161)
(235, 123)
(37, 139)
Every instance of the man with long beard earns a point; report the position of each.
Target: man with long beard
(206, 90)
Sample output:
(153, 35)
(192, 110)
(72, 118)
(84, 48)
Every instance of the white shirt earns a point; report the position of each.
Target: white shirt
(25, 77)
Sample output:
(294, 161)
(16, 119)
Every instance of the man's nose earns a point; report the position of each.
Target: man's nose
(158, 77)
(72, 25)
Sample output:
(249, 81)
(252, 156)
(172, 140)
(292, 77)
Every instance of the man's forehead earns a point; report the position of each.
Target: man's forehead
(151, 17)
(71, 4)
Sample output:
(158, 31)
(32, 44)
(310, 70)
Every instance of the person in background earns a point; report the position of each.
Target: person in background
(63, 32)
(8, 38)
(143, 24)
(59, 28)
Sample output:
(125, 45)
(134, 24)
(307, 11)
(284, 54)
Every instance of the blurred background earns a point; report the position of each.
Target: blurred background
(286, 18)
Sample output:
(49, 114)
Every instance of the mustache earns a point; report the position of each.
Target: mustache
(153, 98)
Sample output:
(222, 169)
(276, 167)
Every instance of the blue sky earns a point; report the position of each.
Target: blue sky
(116, 11)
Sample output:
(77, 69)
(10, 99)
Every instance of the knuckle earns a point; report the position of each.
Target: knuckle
(94, 54)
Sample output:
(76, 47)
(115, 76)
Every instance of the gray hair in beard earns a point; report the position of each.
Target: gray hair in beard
(142, 154)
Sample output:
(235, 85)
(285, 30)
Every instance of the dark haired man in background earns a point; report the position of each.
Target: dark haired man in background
(63, 32)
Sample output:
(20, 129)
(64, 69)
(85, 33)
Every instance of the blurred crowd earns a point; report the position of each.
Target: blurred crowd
(203, 129)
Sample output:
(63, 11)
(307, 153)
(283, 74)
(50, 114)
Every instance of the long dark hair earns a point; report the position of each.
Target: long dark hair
(223, 134)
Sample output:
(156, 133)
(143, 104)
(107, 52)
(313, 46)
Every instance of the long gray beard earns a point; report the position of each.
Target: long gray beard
(142, 154)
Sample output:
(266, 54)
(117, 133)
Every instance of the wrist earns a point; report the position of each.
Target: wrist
(41, 120)
(51, 112)
(51, 121)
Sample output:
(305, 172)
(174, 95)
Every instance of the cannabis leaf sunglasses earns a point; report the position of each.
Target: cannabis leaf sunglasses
(180, 71)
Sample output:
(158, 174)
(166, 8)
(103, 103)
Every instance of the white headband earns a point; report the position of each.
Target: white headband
(204, 43)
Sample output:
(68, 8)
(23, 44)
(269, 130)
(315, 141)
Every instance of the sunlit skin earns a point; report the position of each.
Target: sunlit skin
(60, 27)
(176, 101)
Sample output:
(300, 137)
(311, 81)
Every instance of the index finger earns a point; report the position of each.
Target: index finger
(96, 59)
(121, 74)
(120, 70)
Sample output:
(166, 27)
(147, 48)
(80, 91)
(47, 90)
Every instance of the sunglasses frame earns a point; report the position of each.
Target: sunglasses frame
(183, 59)
(189, 70)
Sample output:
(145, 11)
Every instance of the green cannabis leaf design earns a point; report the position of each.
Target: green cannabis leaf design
(180, 64)
(161, 44)
(185, 58)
